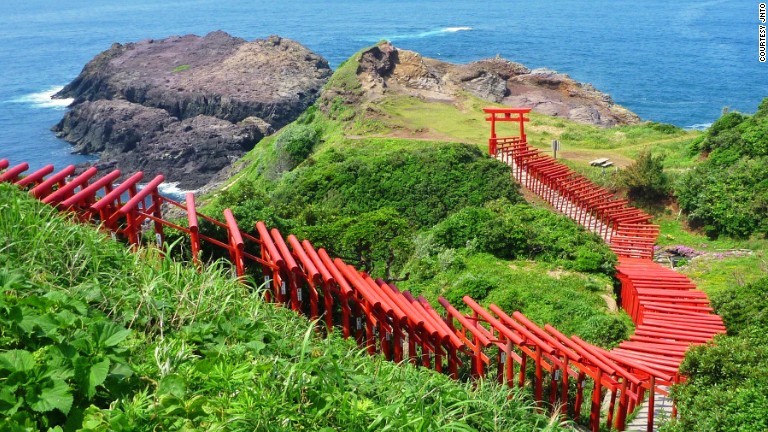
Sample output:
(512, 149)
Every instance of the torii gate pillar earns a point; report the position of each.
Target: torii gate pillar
(505, 115)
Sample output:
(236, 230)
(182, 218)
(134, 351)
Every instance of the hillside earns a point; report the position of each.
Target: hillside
(395, 181)
(97, 338)
(355, 171)
(445, 260)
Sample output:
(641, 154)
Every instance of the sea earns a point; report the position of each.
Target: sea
(681, 62)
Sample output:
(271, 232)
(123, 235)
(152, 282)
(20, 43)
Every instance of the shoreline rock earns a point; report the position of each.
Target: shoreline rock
(188, 106)
(385, 68)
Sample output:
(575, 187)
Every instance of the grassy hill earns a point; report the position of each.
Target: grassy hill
(544, 285)
(95, 338)
(389, 184)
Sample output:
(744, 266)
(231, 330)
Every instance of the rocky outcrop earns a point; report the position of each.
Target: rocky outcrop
(385, 69)
(187, 106)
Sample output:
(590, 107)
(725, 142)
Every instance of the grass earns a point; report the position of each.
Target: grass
(206, 353)
(181, 68)
(572, 302)
(724, 261)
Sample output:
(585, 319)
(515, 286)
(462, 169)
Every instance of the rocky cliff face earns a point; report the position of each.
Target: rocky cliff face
(188, 106)
(384, 69)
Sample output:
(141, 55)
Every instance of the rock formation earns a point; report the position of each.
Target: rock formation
(385, 68)
(188, 106)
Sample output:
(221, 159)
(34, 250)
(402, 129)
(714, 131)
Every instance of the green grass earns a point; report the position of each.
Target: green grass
(181, 68)
(547, 294)
(725, 262)
(204, 352)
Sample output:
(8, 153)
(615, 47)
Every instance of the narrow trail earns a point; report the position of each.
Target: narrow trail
(580, 380)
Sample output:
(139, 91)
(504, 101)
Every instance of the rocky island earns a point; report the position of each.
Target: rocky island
(188, 106)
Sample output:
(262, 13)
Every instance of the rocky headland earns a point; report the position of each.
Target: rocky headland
(385, 69)
(188, 106)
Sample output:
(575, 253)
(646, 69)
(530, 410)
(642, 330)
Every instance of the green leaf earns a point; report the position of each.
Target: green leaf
(9, 403)
(172, 384)
(97, 376)
(110, 334)
(93, 419)
(17, 361)
(57, 397)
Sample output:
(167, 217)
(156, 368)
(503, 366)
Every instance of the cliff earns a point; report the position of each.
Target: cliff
(188, 106)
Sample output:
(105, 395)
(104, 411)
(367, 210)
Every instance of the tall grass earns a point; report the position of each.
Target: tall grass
(207, 353)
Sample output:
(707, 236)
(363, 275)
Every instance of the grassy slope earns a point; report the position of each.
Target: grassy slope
(407, 124)
(205, 352)
(409, 119)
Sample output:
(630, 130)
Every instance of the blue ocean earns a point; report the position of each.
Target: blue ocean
(678, 62)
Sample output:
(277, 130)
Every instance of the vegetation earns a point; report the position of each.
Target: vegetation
(432, 211)
(366, 202)
(95, 338)
(181, 68)
(727, 381)
(728, 193)
(645, 180)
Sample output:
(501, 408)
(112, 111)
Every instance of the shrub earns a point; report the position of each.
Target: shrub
(294, 145)
(423, 183)
(458, 229)
(604, 330)
(645, 179)
(726, 382)
(521, 231)
(471, 285)
(728, 192)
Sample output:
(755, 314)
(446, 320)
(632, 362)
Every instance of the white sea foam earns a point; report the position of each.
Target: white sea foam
(456, 29)
(420, 35)
(43, 99)
(698, 126)
(172, 188)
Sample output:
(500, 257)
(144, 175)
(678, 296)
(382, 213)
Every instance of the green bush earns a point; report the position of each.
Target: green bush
(294, 144)
(458, 229)
(728, 192)
(57, 358)
(423, 182)
(376, 242)
(471, 285)
(605, 330)
(521, 231)
(645, 179)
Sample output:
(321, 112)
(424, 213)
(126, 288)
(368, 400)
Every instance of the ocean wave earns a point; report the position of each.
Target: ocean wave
(172, 189)
(698, 126)
(425, 34)
(43, 99)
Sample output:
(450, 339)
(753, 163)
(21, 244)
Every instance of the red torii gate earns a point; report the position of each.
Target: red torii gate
(505, 115)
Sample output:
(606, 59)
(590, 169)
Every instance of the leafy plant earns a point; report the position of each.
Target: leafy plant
(728, 192)
(645, 179)
(57, 357)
